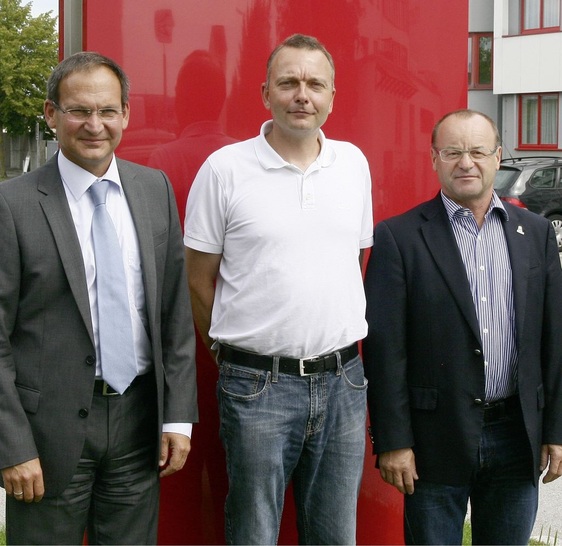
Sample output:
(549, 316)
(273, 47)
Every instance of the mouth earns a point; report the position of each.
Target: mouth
(466, 177)
(93, 142)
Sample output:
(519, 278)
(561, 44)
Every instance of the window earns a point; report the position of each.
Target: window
(538, 121)
(544, 179)
(540, 15)
(480, 61)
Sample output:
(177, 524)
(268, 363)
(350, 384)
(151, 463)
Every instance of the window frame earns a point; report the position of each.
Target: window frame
(539, 145)
(541, 29)
(474, 60)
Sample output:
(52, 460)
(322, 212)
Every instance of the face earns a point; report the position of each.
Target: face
(466, 182)
(300, 93)
(90, 143)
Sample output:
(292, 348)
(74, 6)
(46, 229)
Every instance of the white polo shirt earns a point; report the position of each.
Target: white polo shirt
(289, 281)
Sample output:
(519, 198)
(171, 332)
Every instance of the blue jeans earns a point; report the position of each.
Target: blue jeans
(276, 427)
(502, 493)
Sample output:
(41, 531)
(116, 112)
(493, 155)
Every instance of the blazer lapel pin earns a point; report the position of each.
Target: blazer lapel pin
(520, 230)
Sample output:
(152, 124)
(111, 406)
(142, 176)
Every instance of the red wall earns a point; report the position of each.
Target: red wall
(400, 65)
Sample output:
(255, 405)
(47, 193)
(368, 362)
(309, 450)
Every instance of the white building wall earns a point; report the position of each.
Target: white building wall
(528, 64)
(481, 19)
(480, 16)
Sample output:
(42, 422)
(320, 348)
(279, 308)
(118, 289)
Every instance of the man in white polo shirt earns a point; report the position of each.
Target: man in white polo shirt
(275, 230)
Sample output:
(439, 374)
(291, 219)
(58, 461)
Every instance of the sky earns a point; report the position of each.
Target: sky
(42, 6)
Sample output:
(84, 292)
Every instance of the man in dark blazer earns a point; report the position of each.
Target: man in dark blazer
(464, 352)
(75, 452)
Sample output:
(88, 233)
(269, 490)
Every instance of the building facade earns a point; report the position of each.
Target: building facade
(515, 71)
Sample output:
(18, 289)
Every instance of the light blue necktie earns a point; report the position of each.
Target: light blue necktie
(114, 319)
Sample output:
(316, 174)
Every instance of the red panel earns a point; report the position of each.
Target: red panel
(400, 65)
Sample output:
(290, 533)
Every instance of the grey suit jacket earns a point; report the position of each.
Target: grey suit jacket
(47, 352)
(423, 354)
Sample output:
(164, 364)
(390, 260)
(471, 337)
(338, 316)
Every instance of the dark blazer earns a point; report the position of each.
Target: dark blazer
(47, 352)
(423, 354)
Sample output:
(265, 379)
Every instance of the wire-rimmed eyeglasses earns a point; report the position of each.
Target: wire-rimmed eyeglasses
(83, 114)
(452, 155)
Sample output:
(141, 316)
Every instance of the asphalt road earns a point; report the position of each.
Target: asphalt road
(549, 517)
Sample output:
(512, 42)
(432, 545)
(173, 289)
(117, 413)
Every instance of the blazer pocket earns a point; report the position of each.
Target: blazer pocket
(160, 238)
(540, 397)
(535, 269)
(29, 398)
(423, 398)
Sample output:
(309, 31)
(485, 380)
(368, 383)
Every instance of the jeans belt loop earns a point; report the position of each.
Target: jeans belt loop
(275, 370)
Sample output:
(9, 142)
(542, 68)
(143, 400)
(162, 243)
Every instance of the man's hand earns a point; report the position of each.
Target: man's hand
(174, 451)
(398, 468)
(551, 456)
(24, 481)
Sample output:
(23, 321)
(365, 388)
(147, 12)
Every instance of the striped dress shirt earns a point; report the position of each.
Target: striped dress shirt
(486, 260)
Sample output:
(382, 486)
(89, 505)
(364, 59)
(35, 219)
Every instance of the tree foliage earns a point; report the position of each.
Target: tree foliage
(28, 54)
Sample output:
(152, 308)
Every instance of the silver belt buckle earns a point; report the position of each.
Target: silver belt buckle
(302, 361)
(105, 392)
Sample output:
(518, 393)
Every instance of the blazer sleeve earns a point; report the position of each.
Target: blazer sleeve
(551, 356)
(386, 362)
(178, 336)
(16, 439)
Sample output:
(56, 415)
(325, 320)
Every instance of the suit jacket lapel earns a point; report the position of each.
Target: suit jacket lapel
(55, 206)
(138, 205)
(442, 245)
(519, 258)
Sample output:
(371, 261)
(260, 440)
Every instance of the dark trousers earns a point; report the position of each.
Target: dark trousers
(502, 494)
(113, 496)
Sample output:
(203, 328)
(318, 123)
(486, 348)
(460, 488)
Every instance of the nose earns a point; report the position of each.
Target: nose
(94, 123)
(466, 162)
(301, 94)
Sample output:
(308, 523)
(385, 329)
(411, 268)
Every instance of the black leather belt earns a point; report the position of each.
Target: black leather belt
(494, 411)
(295, 366)
(105, 389)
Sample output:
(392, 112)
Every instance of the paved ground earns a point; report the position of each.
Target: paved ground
(549, 517)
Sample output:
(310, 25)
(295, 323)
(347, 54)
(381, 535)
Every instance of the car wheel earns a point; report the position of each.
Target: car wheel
(556, 220)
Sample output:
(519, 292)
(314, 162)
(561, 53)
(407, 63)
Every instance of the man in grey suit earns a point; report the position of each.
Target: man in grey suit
(76, 452)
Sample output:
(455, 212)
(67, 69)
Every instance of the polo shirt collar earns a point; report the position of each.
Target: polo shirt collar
(270, 159)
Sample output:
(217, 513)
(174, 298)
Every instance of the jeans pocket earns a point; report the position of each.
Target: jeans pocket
(354, 374)
(242, 383)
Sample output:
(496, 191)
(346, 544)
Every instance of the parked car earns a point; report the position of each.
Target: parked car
(534, 183)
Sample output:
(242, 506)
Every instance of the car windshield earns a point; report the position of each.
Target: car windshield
(505, 178)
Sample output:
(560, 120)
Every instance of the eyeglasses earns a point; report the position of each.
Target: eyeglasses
(452, 155)
(83, 114)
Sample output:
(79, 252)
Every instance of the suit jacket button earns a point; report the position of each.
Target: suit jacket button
(478, 401)
(90, 360)
(83, 412)
(477, 352)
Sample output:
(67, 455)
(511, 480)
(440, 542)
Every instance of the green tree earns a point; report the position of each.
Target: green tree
(28, 54)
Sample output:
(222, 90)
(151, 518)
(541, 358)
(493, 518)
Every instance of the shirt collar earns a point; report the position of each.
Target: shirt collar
(270, 159)
(78, 180)
(454, 209)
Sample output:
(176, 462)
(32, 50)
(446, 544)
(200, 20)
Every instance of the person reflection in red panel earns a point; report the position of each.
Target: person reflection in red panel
(200, 97)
